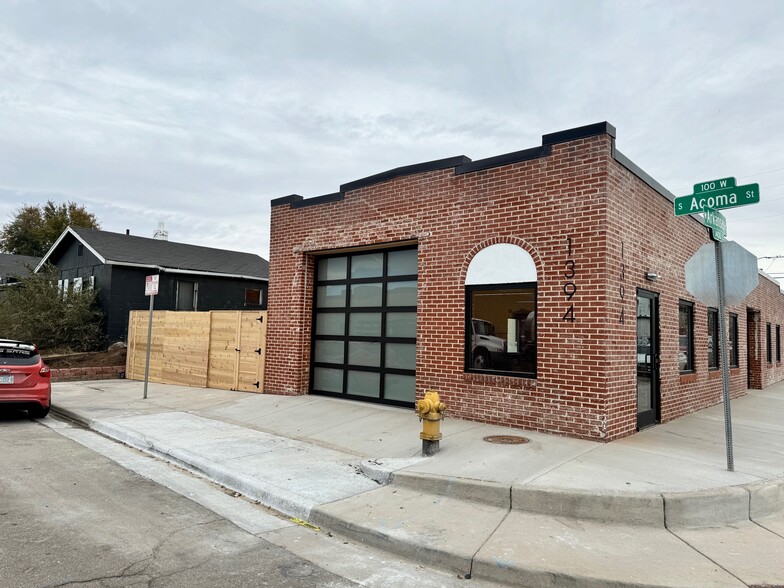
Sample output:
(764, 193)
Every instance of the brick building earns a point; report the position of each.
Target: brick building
(542, 289)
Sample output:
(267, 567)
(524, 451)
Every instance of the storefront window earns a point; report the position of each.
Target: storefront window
(502, 328)
(769, 344)
(685, 336)
(733, 340)
(713, 338)
(501, 312)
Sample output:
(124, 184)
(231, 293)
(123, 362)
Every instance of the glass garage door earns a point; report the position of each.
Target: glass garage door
(364, 326)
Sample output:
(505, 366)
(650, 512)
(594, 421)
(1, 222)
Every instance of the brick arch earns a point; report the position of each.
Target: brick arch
(509, 240)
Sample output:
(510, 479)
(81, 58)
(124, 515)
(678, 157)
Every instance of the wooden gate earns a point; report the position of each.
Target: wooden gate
(217, 349)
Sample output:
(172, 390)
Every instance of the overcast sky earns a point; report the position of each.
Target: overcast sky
(198, 113)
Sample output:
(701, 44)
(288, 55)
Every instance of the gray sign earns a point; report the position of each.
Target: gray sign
(741, 274)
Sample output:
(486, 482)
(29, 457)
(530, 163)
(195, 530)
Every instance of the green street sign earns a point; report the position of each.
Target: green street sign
(729, 197)
(716, 222)
(714, 185)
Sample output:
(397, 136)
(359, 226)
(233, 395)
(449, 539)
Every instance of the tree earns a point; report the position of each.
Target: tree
(34, 229)
(34, 309)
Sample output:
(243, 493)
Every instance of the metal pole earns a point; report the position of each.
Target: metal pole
(725, 367)
(149, 339)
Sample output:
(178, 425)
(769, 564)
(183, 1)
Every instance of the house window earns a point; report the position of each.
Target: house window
(80, 250)
(685, 336)
(252, 297)
(187, 295)
(733, 340)
(713, 338)
(501, 312)
(778, 343)
(768, 343)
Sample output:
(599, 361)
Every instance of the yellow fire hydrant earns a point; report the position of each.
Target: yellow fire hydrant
(430, 410)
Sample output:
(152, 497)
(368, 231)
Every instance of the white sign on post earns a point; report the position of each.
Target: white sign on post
(151, 285)
(150, 289)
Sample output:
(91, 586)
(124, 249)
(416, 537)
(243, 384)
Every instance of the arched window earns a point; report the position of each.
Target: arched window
(501, 311)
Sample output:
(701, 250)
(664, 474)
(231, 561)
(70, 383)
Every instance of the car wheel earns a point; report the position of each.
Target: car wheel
(38, 412)
(481, 359)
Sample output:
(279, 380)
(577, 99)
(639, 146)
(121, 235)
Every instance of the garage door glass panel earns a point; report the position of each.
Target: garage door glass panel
(332, 268)
(370, 265)
(397, 387)
(331, 296)
(402, 263)
(363, 383)
(364, 353)
(333, 323)
(329, 351)
(401, 356)
(365, 324)
(401, 294)
(365, 295)
(328, 380)
(401, 324)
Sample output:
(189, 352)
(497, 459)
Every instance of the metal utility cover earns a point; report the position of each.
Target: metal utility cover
(741, 275)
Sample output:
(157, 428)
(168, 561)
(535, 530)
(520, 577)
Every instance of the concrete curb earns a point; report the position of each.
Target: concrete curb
(639, 509)
(275, 497)
(489, 493)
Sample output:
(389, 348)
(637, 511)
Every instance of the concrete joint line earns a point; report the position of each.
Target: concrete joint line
(490, 536)
(710, 559)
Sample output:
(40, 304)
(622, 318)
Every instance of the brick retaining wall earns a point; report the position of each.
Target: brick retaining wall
(88, 373)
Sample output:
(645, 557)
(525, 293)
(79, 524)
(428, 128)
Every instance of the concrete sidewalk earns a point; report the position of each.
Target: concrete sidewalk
(654, 509)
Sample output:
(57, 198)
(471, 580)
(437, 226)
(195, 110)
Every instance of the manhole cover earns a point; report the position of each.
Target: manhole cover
(506, 439)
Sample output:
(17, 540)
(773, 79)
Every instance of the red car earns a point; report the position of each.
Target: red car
(25, 380)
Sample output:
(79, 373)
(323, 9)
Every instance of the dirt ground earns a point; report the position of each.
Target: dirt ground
(95, 359)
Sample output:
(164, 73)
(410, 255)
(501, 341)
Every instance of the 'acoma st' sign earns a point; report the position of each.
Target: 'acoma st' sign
(717, 194)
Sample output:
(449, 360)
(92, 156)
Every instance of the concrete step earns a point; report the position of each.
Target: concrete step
(523, 549)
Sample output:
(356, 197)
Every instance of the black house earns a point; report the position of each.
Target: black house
(190, 277)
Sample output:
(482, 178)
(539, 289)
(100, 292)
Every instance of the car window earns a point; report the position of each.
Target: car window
(17, 356)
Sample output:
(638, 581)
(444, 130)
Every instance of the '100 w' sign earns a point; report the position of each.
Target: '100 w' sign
(717, 194)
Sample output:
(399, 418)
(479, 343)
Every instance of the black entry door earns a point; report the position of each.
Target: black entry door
(647, 358)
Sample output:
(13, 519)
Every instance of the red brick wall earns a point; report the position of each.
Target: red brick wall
(535, 204)
(619, 229)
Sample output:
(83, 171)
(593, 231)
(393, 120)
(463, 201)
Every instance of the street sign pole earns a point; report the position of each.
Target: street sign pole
(725, 367)
(708, 198)
(149, 339)
(150, 289)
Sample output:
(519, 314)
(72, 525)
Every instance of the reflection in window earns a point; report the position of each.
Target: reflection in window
(501, 311)
(502, 328)
(713, 338)
(686, 336)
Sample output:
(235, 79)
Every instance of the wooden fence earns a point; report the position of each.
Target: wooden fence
(216, 349)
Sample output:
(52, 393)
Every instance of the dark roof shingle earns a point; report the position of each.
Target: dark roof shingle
(130, 249)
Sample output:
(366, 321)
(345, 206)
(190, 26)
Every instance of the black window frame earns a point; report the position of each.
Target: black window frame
(768, 343)
(713, 332)
(347, 310)
(468, 359)
(734, 353)
(778, 343)
(685, 305)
